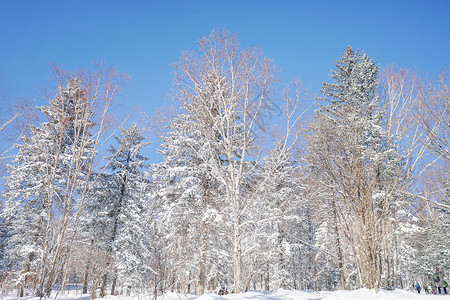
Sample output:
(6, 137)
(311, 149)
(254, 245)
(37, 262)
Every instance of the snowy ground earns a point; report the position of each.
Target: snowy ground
(361, 294)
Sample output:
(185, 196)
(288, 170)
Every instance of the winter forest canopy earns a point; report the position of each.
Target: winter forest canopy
(260, 186)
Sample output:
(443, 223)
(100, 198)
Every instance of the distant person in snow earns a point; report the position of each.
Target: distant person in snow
(427, 287)
(418, 288)
(439, 280)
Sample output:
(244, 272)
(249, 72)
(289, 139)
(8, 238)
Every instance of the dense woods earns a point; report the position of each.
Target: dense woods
(259, 186)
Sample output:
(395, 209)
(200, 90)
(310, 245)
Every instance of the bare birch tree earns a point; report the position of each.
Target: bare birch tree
(435, 118)
(226, 90)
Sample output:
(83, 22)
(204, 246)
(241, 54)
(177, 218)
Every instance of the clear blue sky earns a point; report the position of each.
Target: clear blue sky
(142, 38)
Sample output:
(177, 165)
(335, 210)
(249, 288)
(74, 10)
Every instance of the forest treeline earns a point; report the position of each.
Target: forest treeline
(254, 190)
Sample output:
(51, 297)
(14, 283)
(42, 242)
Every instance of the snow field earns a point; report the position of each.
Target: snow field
(361, 294)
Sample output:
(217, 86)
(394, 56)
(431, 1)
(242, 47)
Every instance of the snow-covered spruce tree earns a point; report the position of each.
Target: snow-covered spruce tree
(348, 148)
(96, 235)
(43, 187)
(116, 214)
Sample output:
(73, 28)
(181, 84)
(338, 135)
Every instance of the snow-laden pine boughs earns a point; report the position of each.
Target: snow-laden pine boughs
(280, 220)
(191, 207)
(116, 214)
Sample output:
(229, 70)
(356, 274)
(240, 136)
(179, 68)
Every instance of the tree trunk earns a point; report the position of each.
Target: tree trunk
(94, 289)
(281, 265)
(103, 286)
(338, 244)
(113, 237)
(26, 269)
(237, 252)
(267, 278)
(85, 280)
(202, 264)
(189, 284)
(114, 283)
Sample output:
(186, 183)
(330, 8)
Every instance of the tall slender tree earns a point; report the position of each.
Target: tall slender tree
(348, 147)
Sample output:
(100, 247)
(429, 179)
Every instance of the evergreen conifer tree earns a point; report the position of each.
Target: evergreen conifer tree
(118, 210)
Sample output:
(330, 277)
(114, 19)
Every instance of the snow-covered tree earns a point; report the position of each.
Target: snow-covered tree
(348, 148)
(50, 178)
(225, 89)
(213, 155)
(117, 213)
(279, 215)
(432, 249)
(191, 202)
(44, 183)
